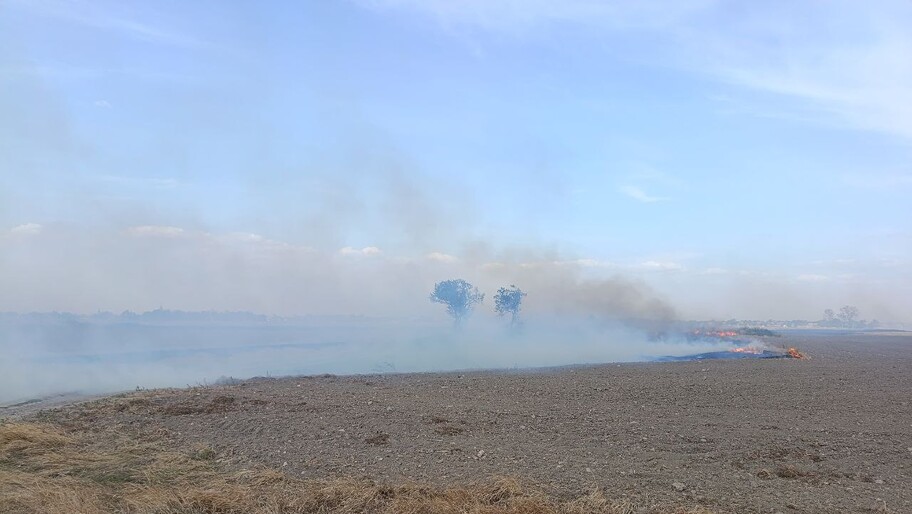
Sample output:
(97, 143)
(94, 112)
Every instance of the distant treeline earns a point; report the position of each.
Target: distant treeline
(847, 317)
(178, 317)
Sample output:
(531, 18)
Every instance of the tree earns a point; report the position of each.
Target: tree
(848, 314)
(847, 317)
(459, 297)
(509, 300)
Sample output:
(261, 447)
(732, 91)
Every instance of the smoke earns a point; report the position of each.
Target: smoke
(386, 323)
(562, 289)
(59, 353)
(69, 268)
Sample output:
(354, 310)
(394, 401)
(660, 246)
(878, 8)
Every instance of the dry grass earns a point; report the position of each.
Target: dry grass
(46, 470)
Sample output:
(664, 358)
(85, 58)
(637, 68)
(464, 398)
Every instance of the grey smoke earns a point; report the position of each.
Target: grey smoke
(569, 318)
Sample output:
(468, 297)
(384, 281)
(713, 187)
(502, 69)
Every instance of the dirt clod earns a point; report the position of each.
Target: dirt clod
(379, 439)
(448, 430)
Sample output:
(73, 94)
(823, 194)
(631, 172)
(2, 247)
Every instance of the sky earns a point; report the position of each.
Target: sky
(721, 159)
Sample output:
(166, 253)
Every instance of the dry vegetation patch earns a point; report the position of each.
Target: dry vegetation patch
(44, 468)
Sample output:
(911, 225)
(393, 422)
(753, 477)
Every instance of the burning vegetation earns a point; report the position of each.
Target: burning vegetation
(746, 342)
(795, 354)
(790, 353)
(731, 333)
(749, 343)
(748, 349)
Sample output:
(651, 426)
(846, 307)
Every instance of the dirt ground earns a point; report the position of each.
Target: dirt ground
(829, 434)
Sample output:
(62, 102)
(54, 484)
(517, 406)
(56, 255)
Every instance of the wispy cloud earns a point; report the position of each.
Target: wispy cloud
(513, 16)
(639, 195)
(366, 251)
(842, 64)
(102, 104)
(643, 176)
(845, 63)
(99, 17)
(649, 174)
(862, 82)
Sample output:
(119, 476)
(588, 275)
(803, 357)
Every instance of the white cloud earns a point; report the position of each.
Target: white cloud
(156, 231)
(586, 263)
(26, 229)
(236, 240)
(639, 195)
(251, 242)
(441, 257)
(366, 251)
(244, 237)
(249, 238)
(659, 266)
(102, 104)
(714, 271)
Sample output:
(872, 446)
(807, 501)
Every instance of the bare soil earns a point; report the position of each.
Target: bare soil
(829, 434)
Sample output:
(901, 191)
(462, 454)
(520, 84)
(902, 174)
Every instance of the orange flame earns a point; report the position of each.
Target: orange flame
(747, 349)
(795, 354)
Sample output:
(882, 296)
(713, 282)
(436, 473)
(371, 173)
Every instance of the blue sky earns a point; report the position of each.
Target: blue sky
(738, 158)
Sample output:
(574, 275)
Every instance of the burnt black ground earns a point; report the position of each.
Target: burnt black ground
(830, 434)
